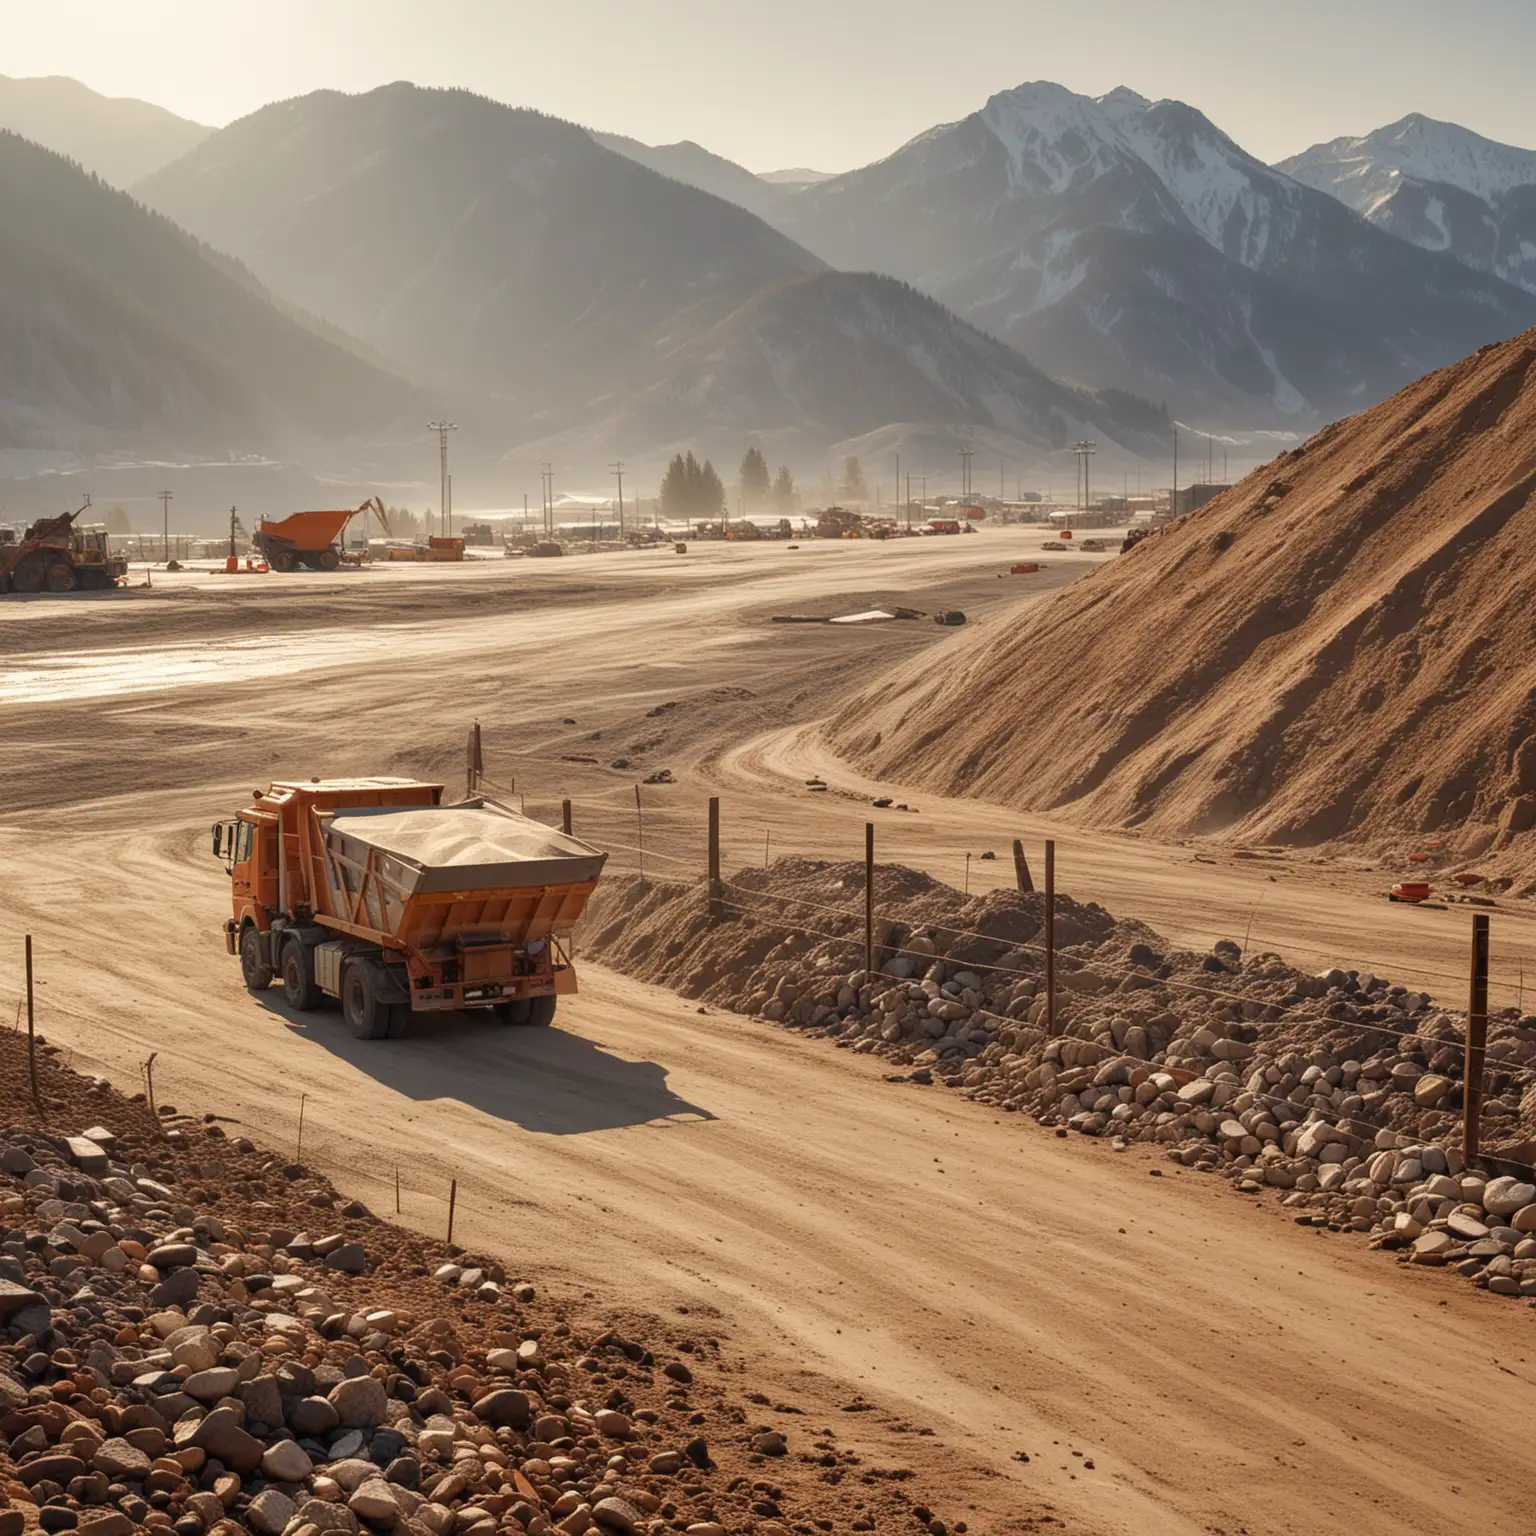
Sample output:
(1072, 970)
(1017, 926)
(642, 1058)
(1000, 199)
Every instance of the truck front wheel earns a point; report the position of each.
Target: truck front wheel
(367, 1017)
(253, 965)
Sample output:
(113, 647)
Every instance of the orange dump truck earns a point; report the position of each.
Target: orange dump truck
(375, 893)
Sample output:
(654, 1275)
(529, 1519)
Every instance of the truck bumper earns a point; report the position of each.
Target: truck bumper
(488, 994)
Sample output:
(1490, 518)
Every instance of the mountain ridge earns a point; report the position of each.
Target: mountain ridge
(1131, 243)
(1437, 185)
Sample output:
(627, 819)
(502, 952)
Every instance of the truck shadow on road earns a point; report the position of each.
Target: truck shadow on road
(544, 1080)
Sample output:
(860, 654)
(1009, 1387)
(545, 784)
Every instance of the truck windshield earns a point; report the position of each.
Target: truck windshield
(242, 845)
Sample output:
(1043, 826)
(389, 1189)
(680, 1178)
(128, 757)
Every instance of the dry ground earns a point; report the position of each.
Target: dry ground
(862, 1243)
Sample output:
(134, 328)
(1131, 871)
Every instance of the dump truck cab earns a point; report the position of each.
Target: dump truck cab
(374, 893)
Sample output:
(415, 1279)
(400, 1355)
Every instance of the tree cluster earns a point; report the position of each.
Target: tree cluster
(691, 490)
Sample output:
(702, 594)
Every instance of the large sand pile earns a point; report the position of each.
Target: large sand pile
(1342, 646)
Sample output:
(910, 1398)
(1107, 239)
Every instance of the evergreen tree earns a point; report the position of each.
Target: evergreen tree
(691, 490)
(853, 487)
(674, 490)
(755, 483)
(784, 494)
(711, 492)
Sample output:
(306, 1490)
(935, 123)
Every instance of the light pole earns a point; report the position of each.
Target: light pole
(165, 524)
(1085, 451)
(965, 474)
(443, 428)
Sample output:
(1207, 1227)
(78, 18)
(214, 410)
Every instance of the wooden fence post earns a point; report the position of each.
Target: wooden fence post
(1050, 939)
(565, 817)
(869, 902)
(712, 875)
(453, 1200)
(1021, 867)
(1477, 1041)
(37, 1098)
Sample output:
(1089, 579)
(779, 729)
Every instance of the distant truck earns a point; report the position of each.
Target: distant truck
(309, 539)
(373, 892)
(57, 555)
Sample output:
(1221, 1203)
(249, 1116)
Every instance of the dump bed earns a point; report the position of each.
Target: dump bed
(307, 530)
(428, 875)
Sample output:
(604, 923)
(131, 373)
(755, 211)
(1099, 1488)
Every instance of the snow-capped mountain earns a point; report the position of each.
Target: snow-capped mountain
(1124, 242)
(1439, 185)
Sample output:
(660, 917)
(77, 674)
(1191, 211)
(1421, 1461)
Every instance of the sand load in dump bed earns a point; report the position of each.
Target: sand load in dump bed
(476, 852)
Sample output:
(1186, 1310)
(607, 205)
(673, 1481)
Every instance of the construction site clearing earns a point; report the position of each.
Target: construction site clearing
(943, 1315)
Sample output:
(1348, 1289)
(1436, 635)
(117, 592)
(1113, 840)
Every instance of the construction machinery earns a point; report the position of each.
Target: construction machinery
(56, 554)
(373, 892)
(310, 539)
(438, 547)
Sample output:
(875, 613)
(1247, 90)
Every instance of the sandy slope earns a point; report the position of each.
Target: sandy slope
(1340, 647)
(857, 1240)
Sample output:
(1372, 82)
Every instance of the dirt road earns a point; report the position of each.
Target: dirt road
(861, 1242)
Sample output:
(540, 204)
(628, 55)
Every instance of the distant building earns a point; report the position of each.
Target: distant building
(1189, 497)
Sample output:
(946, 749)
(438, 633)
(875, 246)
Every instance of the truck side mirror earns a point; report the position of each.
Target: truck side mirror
(218, 839)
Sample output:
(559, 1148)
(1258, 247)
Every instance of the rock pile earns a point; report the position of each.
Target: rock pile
(178, 1354)
(1338, 1089)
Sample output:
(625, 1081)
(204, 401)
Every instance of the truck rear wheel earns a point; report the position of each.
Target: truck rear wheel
(299, 985)
(284, 560)
(29, 576)
(253, 965)
(541, 1011)
(327, 559)
(61, 577)
(367, 1017)
(514, 1011)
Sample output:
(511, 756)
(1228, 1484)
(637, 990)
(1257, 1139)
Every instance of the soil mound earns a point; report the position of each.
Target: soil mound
(1338, 648)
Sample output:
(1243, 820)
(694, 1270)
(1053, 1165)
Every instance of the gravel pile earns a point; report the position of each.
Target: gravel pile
(199, 1337)
(1337, 1089)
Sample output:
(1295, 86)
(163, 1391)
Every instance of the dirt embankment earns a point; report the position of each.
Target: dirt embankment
(1341, 647)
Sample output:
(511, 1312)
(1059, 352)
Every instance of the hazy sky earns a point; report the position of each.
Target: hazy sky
(824, 83)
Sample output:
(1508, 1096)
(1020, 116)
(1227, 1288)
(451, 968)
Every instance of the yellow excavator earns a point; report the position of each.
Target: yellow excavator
(54, 555)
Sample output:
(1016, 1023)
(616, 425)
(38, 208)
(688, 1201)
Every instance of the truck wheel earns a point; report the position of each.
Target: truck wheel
(61, 577)
(366, 1017)
(284, 560)
(299, 986)
(541, 1011)
(513, 1011)
(255, 970)
(327, 559)
(29, 576)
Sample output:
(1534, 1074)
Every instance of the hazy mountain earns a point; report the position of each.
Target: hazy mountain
(118, 138)
(1131, 243)
(116, 325)
(836, 355)
(695, 166)
(1438, 185)
(473, 242)
(488, 246)
(798, 176)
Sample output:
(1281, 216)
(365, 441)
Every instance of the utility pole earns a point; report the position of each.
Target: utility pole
(443, 428)
(547, 481)
(1085, 451)
(909, 501)
(1173, 505)
(965, 474)
(898, 476)
(165, 524)
(618, 468)
(1002, 482)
